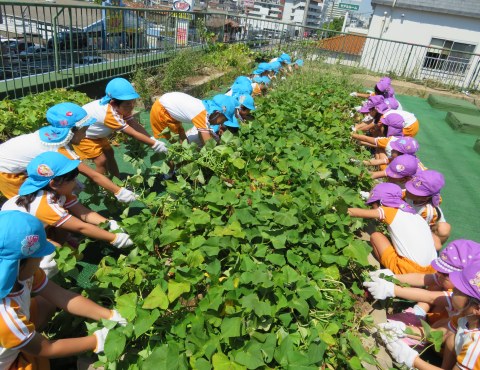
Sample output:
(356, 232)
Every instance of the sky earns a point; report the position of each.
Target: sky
(365, 5)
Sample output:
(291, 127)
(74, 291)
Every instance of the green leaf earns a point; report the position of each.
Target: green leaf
(277, 259)
(316, 352)
(252, 358)
(126, 305)
(145, 320)
(176, 289)
(114, 345)
(285, 219)
(281, 352)
(361, 352)
(194, 258)
(202, 364)
(156, 298)
(222, 362)
(239, 163)
(165, 357)
(231, 327)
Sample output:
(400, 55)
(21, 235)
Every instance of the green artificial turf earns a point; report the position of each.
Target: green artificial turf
(452, 105)
(450, 153)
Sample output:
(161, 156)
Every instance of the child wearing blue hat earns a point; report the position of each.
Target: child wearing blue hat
(69, 122)
(47, 195)
(259, 86)
(262, 70)
(298, 63)
(23, 243)
(113, 113)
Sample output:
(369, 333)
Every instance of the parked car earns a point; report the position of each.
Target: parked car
(87, 61)
(36, 50)
(79, 40)
(15, 47)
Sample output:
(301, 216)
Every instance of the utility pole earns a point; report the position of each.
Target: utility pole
(305, 14)
(345, 21)
(331, 15)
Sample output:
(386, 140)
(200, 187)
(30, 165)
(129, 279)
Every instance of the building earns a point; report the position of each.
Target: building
(448, 30)
(270, 10)
(333, 11)
(294, 11)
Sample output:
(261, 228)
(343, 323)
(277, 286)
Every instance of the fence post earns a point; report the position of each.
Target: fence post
(223, 27)
(408, 60)
(71, 45)
(55, 39)
(136, 39)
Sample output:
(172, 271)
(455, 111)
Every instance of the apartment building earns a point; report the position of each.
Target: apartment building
(333, 11)
(294, 11)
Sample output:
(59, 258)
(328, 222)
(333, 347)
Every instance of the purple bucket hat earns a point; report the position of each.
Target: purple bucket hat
(457, 256)
(393, 120)
(407, 145)
(392, 102)
(393, 131)
(389, 195)
(373, 101)
(402, 166)
(384, 84)
(427, 184)
(389, 94)
(468, 280)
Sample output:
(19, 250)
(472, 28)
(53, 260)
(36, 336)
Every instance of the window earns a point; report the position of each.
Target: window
(292, 17)
(452, 61)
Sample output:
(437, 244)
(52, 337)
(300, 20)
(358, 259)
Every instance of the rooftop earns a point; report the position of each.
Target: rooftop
(349, 44)
(466, 8)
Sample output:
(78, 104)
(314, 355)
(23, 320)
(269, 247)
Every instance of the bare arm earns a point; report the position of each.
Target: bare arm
(86, 214)
(366, 96)
(417, 280)
(77, 225)
(378, 174)
(39, 346)
(98, 178)
(204, 136)
(138, 127)
(74, 303)
(436, 298)
(364, 138)
(130, 131)
(374, 162)
(363, 213)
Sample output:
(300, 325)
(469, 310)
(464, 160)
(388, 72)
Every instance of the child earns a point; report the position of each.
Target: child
(404, 145)
(263, 70)
(463, 337)
(373, 111)
(423, 194)
(47, 195)
(285, 62)
(218, 131)
(69, 122)
(413, 247)
(242, 112)
(22, 318)
(298, 63)
(381, 89)
(113, 114)
(243, 84)
(174, 108)
(400, 170)
(258, 86)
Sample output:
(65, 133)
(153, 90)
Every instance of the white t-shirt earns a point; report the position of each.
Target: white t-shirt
(182, 107)
(17, 153)
(108, 120)
(410, 234)
(409, 118)
(193, 136)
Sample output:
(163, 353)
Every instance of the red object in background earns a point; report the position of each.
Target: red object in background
(304, 34)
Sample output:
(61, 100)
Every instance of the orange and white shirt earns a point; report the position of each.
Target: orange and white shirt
(384, 143)
(467, 343)
(408, 118)
(16, 329)
(17, 153)
(108, 120)
(45, 207)
(410, 234)
(194, 137)
(427, 211)
(256, 88)
(185, 108)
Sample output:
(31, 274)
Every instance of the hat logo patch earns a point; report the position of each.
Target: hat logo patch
(242, 98)
(403, 142)
(476, 281)
(44, 170)
(400, 168)
(51, 136)
(443, 257)
(224, 109)
(417, 185)
(64, 122)
(30, 245)
(69, 114)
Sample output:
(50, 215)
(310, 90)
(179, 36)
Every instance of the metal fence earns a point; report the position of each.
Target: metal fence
(45, 46)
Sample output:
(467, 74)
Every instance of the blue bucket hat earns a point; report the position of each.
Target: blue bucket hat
(262, 67)
(119, 88)
(21, 236)
(223, 104)
(299, 62)
(243, 80)
(266, 80)
(285, 58)
(247, 101)
(275, 66)
(62, 117)
(258, 80)
(45, 167)
(242, 88)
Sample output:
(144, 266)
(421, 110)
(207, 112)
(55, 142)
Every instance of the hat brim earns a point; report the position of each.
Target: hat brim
(372, 200)
(232, 123)
(412, 189)
(258, 71)
(364, 109)
(89, 122)
(437, 265)
(252, 108)
(53, 135)
(463, 285)
(127, 96)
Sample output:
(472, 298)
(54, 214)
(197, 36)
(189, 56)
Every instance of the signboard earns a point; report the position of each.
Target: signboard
(114, 20)
(248, 4)
(348, 6)
(183, 5)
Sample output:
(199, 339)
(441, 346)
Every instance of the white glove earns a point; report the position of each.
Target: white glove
(370, 91)
(393, 330)
(353, 93)
(118, 318)
(122, 240)
(101, 337)
(113, 225)
(380, 289)
(377, 273)
(357, 108)
(365, 195)
(79, 187)
(352, 115)
(49, 265)
(400, 351)
(159, 147)
(284, 78)
(126, 196)
(367, 118)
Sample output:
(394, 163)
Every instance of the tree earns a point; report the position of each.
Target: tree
(99, 2)
(335, 25)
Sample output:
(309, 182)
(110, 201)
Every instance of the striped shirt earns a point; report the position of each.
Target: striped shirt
(467, 343)
(108, 120)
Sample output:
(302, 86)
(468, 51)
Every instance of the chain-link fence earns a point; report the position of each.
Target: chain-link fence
(45, 46)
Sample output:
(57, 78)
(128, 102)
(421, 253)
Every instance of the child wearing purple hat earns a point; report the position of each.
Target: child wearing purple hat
(412, 247)
(423, 194)
(375, 109)
(410, 122)
(400, 170)
(462, 339)
(382, 88)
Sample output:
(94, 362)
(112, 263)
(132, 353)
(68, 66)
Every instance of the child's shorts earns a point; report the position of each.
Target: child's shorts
(411, 130)
(92, 148)
(29, 362)
(160, 119)
(401, 265)
(10, 183)
(433, 317)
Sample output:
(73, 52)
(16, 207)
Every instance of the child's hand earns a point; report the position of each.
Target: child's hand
(122, 240)
(400, 351)
(118, 318)
(380, 289)
(101, 337)
(377, 273)
(394, 329)
(113, 225)
(126, 196)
